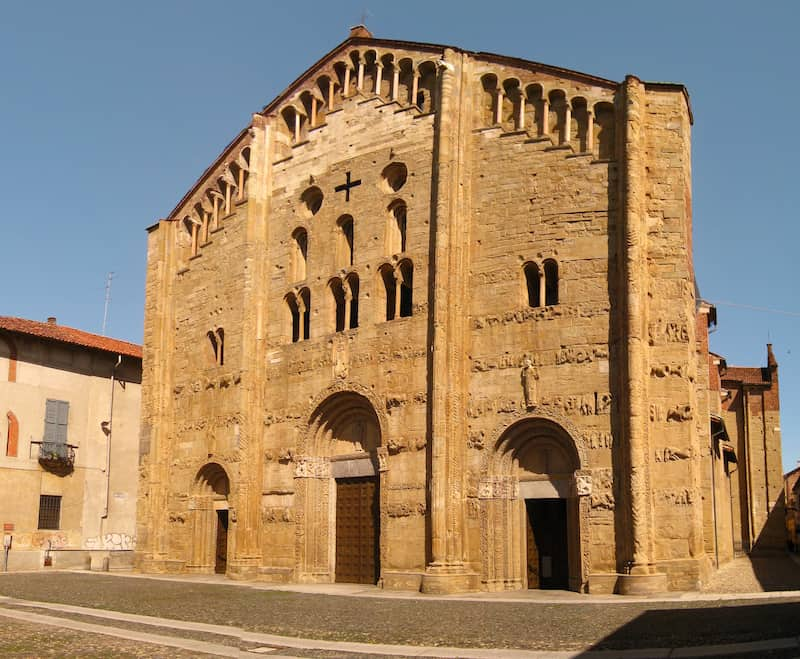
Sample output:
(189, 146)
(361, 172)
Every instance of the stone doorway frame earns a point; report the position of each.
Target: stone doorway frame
(210, 493)
(502, 494)
(316, 470)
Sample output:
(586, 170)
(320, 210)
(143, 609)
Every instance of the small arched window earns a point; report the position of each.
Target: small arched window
(351, 293)
(426, 93)
(345, 241)
(299, 307)
(389, 286)
(604, 131)
(550, 282)
(305, 299)
(339, 303)
(190, 228)
(396, 229)
(244, 173)
(220, 347)
(532, 285)
(213, 347)
(294, 315)
(398, 285)
(405, 284)
(216, 340)
(312, 199)
(300, 254)
(12, 438)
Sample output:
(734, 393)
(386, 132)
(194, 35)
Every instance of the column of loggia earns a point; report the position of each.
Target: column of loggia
(447, 571)
(246, 519)
(641, 576)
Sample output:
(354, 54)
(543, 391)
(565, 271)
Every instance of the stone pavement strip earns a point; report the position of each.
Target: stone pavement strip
(218, 617)
(273, 644)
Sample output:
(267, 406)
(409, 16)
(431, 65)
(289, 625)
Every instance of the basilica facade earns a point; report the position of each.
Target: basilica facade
(431, 322)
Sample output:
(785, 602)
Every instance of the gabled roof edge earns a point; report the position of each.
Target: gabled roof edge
(414, 45)
(207, 171)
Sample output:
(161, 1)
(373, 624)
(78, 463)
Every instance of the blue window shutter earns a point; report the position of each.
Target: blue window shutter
(56, 417)
(63, 417)
(50, 420)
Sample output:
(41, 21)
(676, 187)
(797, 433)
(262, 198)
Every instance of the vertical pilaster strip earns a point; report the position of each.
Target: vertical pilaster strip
(635, 287)
(447, 571)
(255, 286)
(157, 368)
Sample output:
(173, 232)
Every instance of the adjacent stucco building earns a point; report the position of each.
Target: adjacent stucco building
(69, 420)
(431, 321)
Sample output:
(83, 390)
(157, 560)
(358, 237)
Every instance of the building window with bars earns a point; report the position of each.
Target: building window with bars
(49, 512)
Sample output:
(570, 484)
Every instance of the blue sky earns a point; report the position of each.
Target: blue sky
(109, 111)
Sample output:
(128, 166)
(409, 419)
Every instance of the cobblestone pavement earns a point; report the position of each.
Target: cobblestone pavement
(21, 639)
(573, 625)
(756, 574)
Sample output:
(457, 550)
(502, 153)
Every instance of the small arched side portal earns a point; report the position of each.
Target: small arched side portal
(337, 482)
(209, 510)
(531, 513)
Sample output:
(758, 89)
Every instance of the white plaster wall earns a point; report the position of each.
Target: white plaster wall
(83, 378)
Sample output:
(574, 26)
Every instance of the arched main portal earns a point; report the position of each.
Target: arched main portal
(338, 487)
(531, 511)
(209, 504)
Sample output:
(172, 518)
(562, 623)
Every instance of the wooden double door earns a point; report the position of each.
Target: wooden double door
(357, 530)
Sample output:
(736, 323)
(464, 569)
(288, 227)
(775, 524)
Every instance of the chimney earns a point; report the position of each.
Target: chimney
(360, 31)
(771, 361)
(51, 320)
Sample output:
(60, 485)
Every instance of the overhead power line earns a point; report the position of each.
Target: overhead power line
(753, 308)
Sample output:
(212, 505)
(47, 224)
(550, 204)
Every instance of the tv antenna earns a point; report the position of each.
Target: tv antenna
(107, 304)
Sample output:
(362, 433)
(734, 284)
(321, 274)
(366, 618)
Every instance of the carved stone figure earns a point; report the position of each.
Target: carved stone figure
(529, 375)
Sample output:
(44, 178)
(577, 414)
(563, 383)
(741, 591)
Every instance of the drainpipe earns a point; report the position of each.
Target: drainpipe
(108, 438)
(714, 502)
(714, 436)
(749, 470)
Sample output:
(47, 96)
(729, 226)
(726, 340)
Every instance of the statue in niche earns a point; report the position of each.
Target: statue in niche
(528, 376)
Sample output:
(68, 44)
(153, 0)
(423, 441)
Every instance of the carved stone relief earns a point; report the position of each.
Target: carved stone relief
(312, 467)
(669, 454)
(584, 310)
(595, 403)
(678, 497)
(661, 332)
(406, 509)
(599, 440)
(583, 485)
(340, 358)
(498, 487)
(680, 413)
(602, 496)
(383, 458)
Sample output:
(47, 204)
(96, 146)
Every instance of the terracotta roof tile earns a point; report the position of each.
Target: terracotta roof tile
(69, 335)
(746, 375)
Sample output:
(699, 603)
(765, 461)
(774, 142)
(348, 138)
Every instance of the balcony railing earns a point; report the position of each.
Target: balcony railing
(57, 456)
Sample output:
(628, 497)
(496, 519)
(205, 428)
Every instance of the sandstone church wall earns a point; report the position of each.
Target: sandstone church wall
(385, 356)
(678, 416)
(539, 198)
(462, 283)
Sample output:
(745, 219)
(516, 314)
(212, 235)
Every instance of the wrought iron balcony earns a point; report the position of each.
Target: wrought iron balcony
(57, 456)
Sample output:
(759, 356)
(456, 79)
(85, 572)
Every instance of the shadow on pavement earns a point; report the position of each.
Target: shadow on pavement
(672, 628)
(775, 570)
